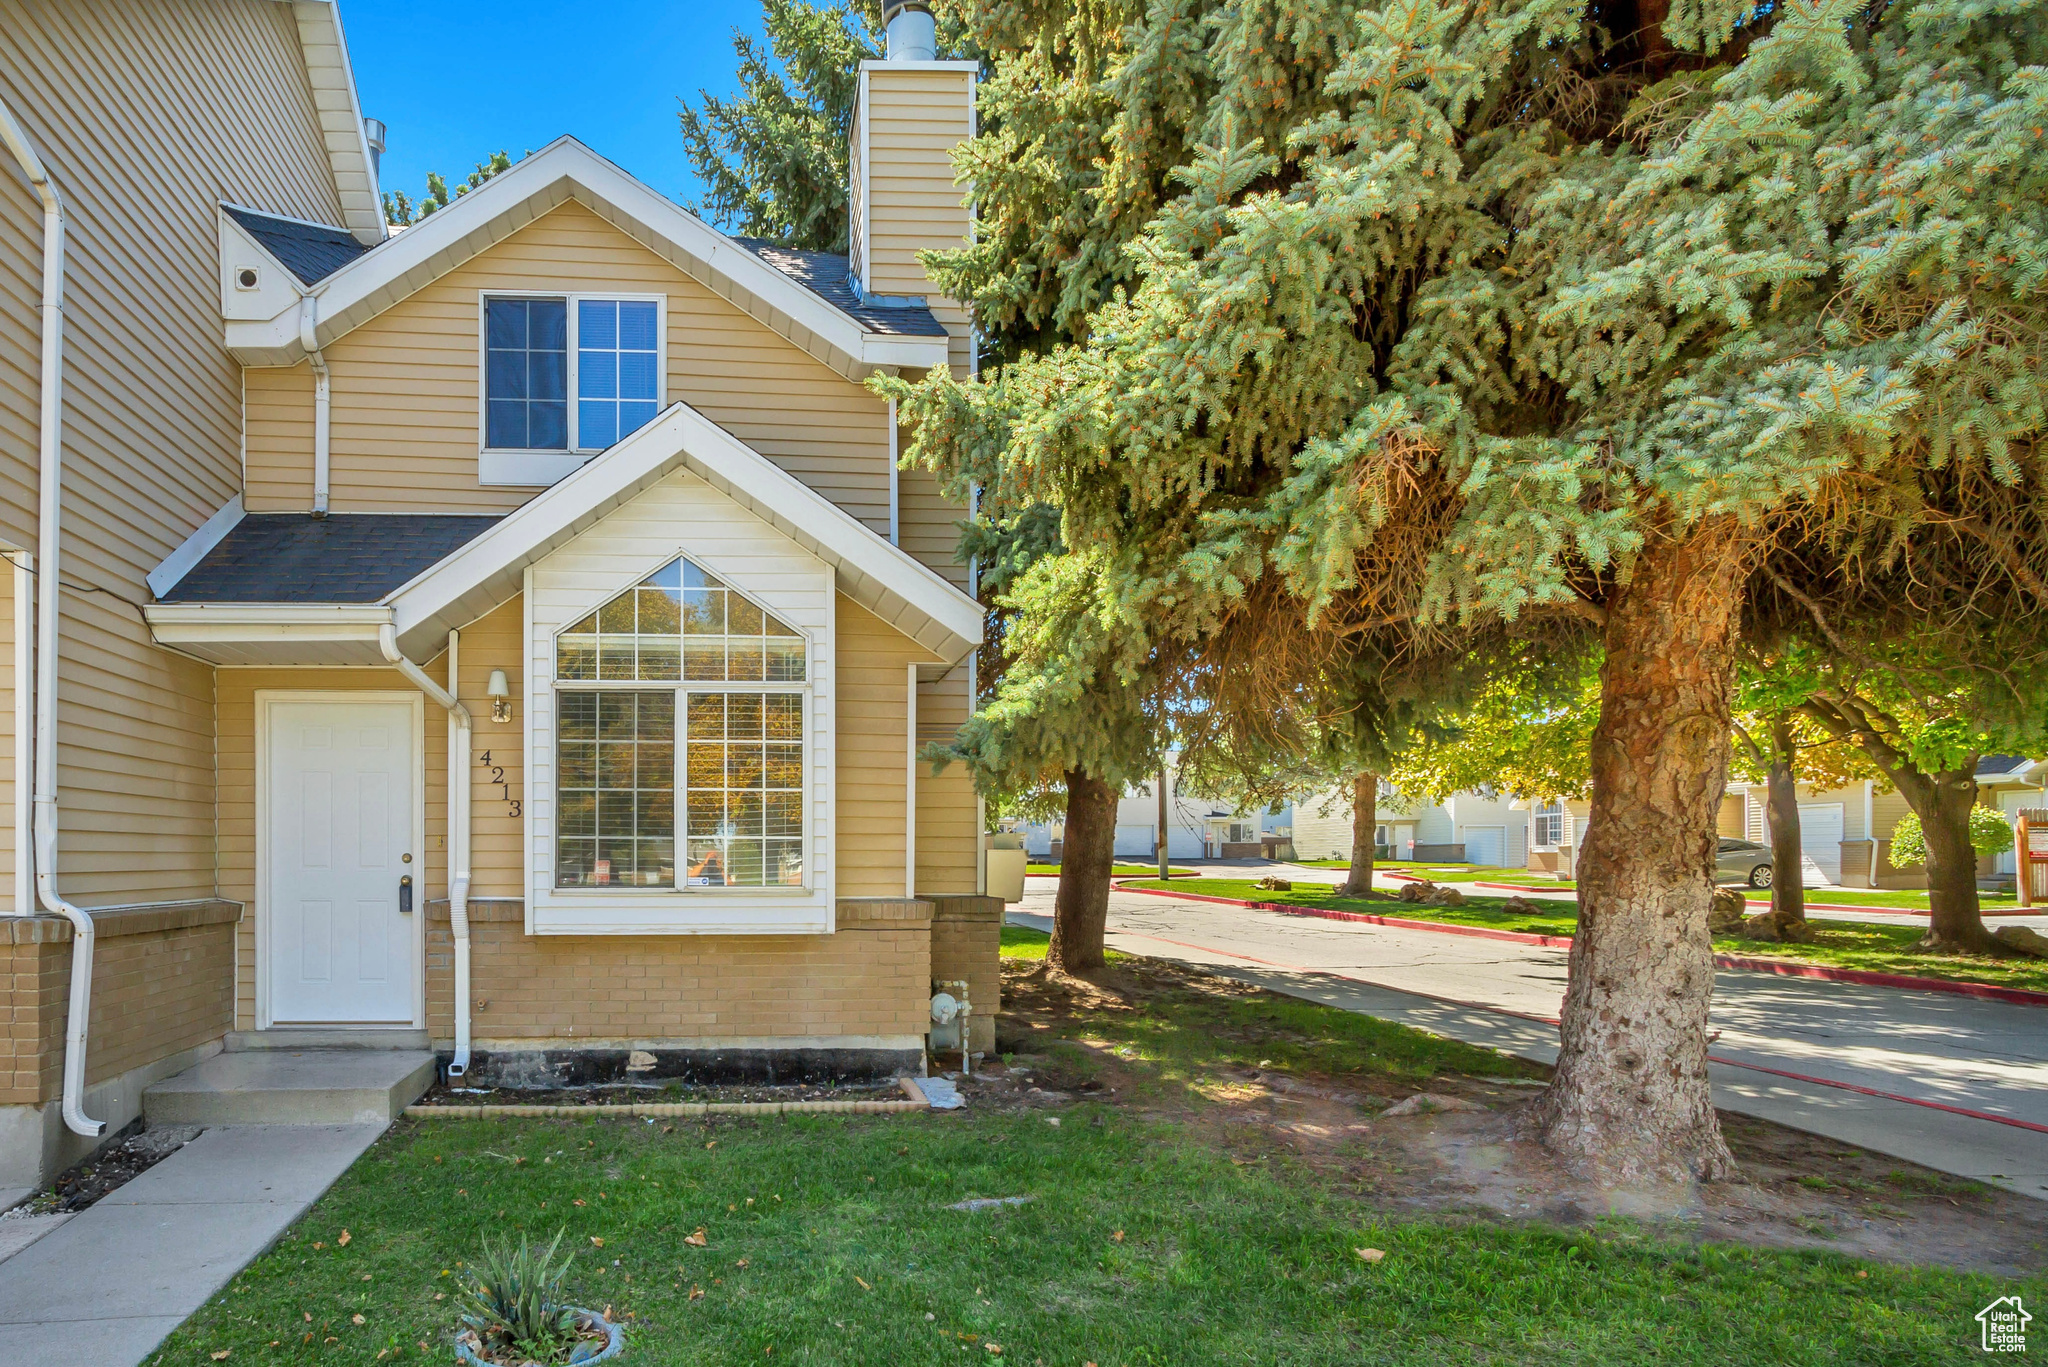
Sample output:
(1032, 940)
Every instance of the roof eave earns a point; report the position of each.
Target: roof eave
(879, 576)
(279, 634)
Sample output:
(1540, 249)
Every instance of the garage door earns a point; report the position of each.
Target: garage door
(1483, 844)
(1136, 841)
(1820, 842)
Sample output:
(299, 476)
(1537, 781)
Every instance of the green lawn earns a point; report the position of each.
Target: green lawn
(1147, 1242)
(1117, 871)
(1875, 897)
(1837, 944)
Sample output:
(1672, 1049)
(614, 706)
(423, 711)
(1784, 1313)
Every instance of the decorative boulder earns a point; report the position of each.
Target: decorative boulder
(1766, 926)
(2023, 939)
(1444, 897)
(1417, 891)
(1519, 906)
(1272, 884)
(1725, 917)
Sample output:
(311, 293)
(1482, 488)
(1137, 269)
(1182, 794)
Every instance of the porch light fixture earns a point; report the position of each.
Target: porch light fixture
(500, 694)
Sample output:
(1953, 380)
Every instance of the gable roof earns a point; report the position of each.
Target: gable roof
(786, 298)
(340, 558)
(213, 610)
(310, 251)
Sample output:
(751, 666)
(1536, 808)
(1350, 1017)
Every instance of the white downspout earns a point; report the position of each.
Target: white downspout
(50, 420)
(459, 735)
(895, 484)
(309, 319)
(24, 739)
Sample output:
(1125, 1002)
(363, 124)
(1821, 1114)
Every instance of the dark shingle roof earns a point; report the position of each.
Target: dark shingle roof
(1999, 764)
(308, 250)
(340, 558)
(831, 279)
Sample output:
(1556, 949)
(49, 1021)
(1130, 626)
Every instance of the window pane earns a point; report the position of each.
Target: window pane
(597, 374)
(525, 374)
(743, 794)
(506, 425)
(597, 424)
(633, 417)
(615, 804)
(597, 324)
(547, 426)
(636, 325)
(635, 376)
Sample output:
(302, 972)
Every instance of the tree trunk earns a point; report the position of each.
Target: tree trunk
(1365, 799)
(1955, 919)
(1788, 869)
(1081, 907)
(1630, 1101)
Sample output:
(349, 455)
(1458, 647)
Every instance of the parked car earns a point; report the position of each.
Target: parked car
(1743, 860)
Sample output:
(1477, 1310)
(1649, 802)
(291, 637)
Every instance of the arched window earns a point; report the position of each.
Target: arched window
(723, 749)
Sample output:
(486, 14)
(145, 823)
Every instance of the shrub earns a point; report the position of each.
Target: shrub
(512, 1299)
(1990, 833)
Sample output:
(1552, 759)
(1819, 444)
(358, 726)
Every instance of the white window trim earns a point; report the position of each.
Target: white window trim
(625, 910)
(532, 467)
(1538, 818)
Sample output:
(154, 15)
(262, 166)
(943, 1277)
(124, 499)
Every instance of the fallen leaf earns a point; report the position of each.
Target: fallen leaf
(1117, 1237)
(1371, 1255)
(319, 1245)
(355, 1319)
(696, 1293)
(697, 1239)
(712, 1145)
(596, 1242)
(309, 1316)
(222, 1355)
(741, 1263)
(1053, 1121)
(863, 1282)
(342, 1242)
(1861, 1273)
(994, 1348)
(577, 1202)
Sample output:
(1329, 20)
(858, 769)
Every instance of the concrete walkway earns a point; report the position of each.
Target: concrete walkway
(1935, 1050)
(105, 1287)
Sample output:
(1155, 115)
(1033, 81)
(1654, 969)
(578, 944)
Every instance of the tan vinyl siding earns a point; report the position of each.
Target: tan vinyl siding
(915, 118)
(873, 705)
(929, 525)
(406, 386)
(147, 115)
(946, 830)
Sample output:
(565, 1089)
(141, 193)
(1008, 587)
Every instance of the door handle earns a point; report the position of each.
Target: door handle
(405, 894)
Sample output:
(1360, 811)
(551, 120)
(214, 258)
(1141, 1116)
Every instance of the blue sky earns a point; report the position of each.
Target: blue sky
(458, 81)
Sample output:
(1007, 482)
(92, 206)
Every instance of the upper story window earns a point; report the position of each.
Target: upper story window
(1547, 825)
(541, 350)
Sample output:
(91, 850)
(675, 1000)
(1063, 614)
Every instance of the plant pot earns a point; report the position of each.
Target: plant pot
(615, 1342)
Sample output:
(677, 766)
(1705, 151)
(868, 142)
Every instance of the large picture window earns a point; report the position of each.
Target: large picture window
(539, 352)
(723, 749)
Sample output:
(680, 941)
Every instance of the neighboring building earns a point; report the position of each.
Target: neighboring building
(1845, 833)
(608, 475)
(1198, 827)
(1483, 827)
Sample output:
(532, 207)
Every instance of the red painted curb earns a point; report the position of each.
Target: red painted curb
(1889, 911)
(2015, 996)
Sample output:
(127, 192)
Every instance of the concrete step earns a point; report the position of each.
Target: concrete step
(302, 1087)
(300, 1038)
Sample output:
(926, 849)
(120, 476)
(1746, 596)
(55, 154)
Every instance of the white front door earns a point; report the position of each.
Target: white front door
(337, 832)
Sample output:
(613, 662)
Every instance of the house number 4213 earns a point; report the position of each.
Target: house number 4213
(498, 777)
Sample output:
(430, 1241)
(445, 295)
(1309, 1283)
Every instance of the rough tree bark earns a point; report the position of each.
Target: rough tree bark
(1630, 1101)
(1088, 857)
(1781, 806)
(1942, 801)
(1365, 799)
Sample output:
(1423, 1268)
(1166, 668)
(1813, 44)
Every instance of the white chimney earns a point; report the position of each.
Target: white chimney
(912, 35)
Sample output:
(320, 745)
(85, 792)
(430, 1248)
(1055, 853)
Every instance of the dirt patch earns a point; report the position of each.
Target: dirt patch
(1795, 1190)
(127, 1157)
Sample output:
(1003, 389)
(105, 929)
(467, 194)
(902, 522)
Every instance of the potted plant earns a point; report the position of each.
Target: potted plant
(513, 1314)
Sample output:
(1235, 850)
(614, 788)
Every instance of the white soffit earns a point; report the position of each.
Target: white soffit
(564, 170)
(341, 118)
(878, 576)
